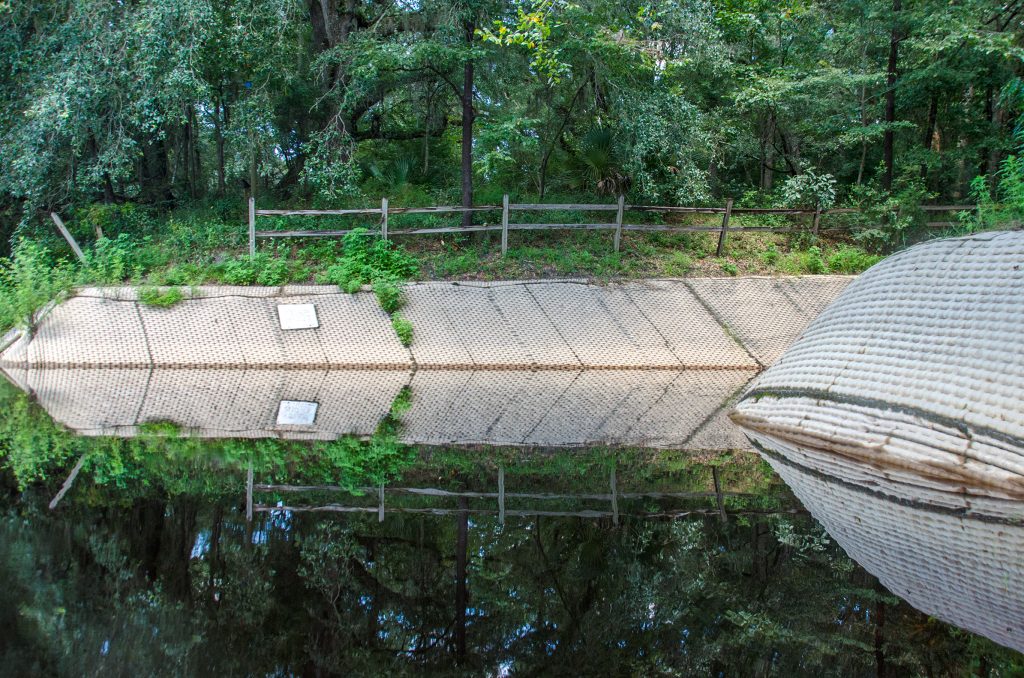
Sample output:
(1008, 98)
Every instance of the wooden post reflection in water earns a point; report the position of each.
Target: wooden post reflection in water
(461, 555)
(501, 495)
(718, 496)
(248, 494)
(615, 499)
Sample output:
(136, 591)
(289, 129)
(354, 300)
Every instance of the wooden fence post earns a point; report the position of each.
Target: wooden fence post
(67, 236)
(501, 492)
(618, 221)
(504, 225)
(248, 494)
(252, 227)
(380, 506)
(725, 228)
(718, 496)
(817, 220)
(384, 218)
(615, 499)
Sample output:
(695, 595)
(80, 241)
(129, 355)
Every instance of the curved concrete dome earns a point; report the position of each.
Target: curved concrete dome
(898, 418)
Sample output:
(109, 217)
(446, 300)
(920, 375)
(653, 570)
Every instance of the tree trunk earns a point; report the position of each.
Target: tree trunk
(768, 154)
(218, 133)
(467, 131)
(890, 99)
(929, 131)
(197, 154)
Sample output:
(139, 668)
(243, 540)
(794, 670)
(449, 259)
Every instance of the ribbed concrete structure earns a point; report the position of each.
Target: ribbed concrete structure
(898, 419)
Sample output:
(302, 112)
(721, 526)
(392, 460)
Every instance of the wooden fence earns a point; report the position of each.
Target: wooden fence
(618, 225)
(612, 497)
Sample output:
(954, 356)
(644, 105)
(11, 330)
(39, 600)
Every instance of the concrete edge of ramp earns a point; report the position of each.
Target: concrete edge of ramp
(570, 324)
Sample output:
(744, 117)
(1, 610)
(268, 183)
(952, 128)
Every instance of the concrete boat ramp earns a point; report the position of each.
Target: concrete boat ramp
(546, 363)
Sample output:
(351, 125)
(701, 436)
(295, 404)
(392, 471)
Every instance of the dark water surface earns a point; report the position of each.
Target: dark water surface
(367, 555)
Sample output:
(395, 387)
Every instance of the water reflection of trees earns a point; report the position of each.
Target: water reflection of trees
(183, 584)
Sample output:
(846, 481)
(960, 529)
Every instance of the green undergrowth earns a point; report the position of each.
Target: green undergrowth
(28, 281)
(403, 328)
(207, 246)
(36, 450)
(160, 298)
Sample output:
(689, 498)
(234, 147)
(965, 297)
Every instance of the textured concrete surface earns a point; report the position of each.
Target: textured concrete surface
(546, 363)
(548, 408)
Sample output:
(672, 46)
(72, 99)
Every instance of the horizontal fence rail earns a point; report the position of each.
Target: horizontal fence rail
(618, 224)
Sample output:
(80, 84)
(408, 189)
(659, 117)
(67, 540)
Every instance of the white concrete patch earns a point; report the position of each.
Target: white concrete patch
(296, 413)
(297, 316)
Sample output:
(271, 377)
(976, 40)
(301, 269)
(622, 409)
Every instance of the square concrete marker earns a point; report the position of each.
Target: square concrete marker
(296, 413)
(297, 316)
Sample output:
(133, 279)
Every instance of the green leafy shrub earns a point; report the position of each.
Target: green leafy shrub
(31, 444)
(729, 267)
(180, 274)
(389, 295)
(274, 272)
(850, 260)
(110, 261)
(28, 282)
(115, 220)
(242, 271)
(367, 262)
(403, 328)
(810, 189)
(154, 296)
(807, 261)
(259, 270)
(887, 220)
(771, 255)
(1000, 208)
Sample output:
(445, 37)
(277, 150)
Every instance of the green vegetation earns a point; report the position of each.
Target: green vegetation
(154, 296)
(853, 104)
(28, 282)
(848, 259)
(365, 260)
(259, 270)
(389, 295)
(403, 328)
(678, 264)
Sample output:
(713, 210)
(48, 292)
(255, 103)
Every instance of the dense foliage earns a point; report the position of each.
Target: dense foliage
(684, 101)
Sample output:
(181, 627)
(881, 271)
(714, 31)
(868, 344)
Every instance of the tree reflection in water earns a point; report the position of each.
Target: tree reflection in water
(156, 577)
(148, 565)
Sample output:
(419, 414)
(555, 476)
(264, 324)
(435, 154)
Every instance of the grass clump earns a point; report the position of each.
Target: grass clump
(729, 268)
(678, 264)
(805, 261)
(403, 328)
(164, 427)
(154, 296)
(850, 260)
